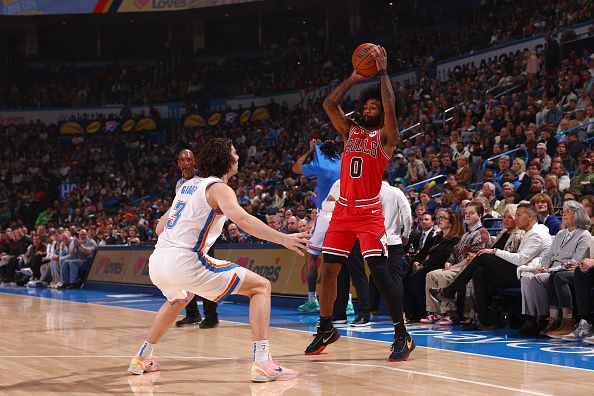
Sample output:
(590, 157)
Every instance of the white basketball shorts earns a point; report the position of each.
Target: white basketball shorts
(177, 271)
(319, 232)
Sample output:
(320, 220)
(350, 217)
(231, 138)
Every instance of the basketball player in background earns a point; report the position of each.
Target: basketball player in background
(325, 166)
(180, 267)
(187, 164)
(358, 214)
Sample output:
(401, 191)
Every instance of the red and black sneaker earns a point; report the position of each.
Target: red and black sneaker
(401, 348)
(321, 340)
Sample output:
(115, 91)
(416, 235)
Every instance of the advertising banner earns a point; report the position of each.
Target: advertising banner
(57, 7)
(53, 116)
(483, 58)
(46, 7)
(121, 265)
(304, 97)
(284, 268)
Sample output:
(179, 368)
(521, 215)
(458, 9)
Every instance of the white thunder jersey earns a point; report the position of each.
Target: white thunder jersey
(192, 223)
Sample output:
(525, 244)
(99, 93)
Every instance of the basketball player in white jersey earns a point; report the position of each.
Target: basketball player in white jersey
(180, 267)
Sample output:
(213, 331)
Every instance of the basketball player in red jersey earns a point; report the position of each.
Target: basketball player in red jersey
(358, 212)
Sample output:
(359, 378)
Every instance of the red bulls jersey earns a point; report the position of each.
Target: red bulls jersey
(362, 167)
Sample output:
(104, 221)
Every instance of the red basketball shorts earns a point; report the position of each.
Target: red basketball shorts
(349, 223)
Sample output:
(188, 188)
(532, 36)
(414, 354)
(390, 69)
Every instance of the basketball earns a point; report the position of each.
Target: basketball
(362, 60)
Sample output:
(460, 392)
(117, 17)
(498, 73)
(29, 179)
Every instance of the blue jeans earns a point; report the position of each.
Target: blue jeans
(71, 269)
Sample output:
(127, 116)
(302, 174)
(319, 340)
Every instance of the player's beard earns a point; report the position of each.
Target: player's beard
(371, 123)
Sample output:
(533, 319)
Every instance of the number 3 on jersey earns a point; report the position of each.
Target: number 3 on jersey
(356, 165)
(172, 221)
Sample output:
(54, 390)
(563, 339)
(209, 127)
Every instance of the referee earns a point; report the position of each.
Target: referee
(187, 164)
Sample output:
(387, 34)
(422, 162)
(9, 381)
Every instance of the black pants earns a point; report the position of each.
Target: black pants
(414, 293)
(487, 271)
(583, 283)
(395, 254)
(210, 307)
(559, 289)
(35, 264)
(7, 272)
(352, 269)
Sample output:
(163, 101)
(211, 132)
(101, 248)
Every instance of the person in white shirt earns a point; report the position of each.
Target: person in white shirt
(180, 266)
(398, 221)
(500, 268)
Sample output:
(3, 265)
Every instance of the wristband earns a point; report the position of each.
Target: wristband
(382, 73)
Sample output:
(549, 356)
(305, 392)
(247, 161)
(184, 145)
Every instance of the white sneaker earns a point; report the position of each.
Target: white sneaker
(582, 330)
(589, 340)
(431, 318)
(446, 321)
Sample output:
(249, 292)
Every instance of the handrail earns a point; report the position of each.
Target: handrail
(424, 182)
(563, 133)
(589, 139)
(506, 153)
(410, 127)
(506, 91)
(412, 137)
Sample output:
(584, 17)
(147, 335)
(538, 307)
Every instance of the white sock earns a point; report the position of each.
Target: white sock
(567, 315)
(261, 351)
(312, 296)
(146, 350)
(350, 298)
(553, 312)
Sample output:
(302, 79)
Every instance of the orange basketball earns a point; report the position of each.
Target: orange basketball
(362, 60)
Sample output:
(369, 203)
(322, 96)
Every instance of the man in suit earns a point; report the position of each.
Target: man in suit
(419, 237)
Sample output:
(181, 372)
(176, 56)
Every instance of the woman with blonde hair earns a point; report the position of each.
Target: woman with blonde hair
(519, 168)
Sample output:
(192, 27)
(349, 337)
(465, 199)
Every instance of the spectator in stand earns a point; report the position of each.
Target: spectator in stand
(435, 167)
(545, 288)
(561, 164)
(432, 255)
(476, 238)
(303, 225)
(499, 268)
(36, 252)
(14, 256)
(292, 225)
(234, 235)
(583, 282)
(400, 168)
(77, 261)
(584, 175)
(509, 197)
(53, 253)
(544, 207)
(464, 172)
(503, 164)
(416, 170)
(552, 190)
(545, 158)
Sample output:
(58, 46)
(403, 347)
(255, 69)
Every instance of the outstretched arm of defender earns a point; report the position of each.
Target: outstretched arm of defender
(298, 165)
(391, 132)
(332, 104)
(221, 196)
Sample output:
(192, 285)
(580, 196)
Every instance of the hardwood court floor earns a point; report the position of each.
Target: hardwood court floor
(50, 347)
